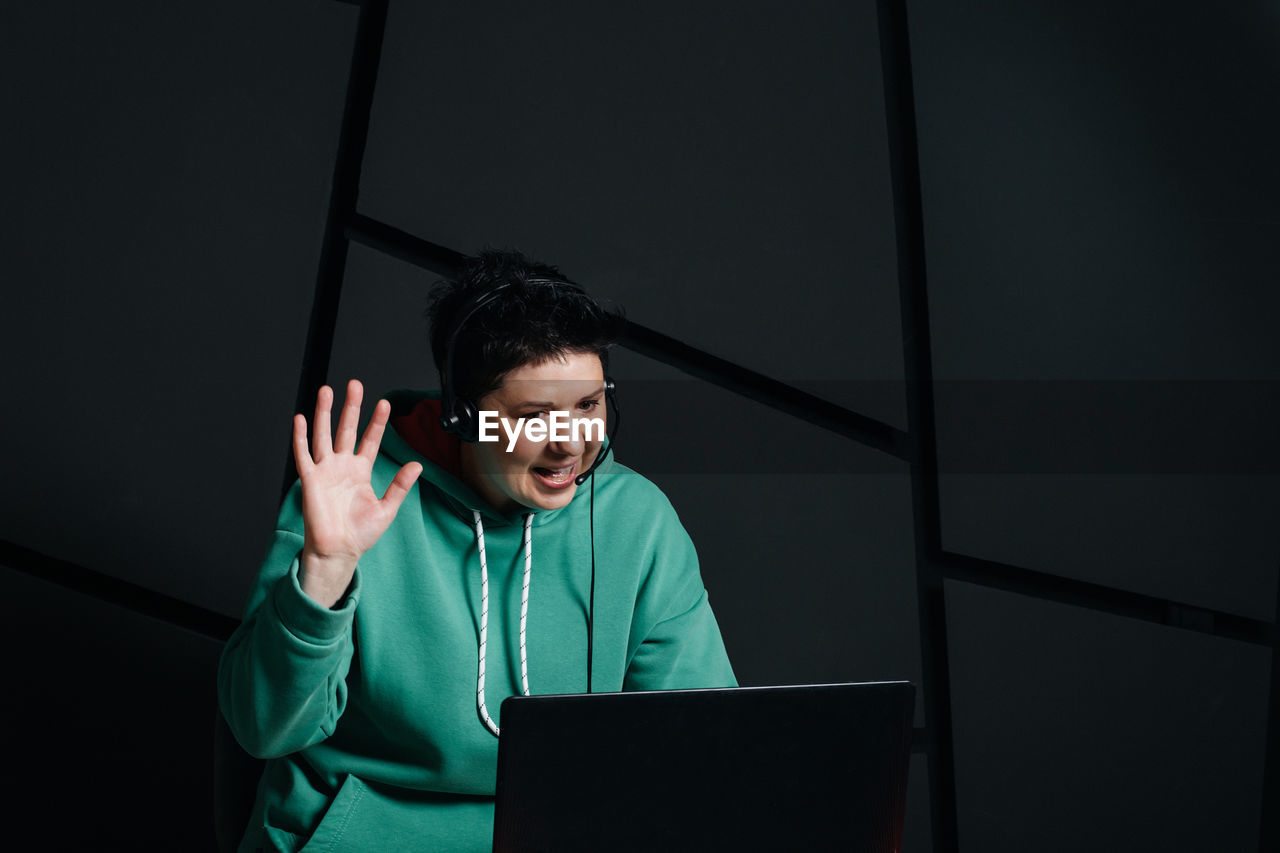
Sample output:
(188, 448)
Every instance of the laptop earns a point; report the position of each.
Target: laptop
(809, 767)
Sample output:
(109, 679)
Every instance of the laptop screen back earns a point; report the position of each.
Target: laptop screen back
(816, 767)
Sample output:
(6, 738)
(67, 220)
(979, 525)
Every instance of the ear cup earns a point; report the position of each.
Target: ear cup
(615, 414)
(461, 420)
(615, 419)
(458, 417)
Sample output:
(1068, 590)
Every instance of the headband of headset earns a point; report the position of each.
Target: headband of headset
(459, 416)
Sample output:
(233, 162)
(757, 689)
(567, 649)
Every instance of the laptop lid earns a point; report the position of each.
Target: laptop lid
(812, 767)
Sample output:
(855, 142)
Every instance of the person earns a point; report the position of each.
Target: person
(383, 632)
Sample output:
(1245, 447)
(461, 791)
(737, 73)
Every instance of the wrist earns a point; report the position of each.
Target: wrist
(325, 580)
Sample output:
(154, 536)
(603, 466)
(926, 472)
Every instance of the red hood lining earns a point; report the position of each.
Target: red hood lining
(420, 428)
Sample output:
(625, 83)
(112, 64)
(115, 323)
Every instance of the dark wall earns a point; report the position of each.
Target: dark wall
(695, 162)
(108, 725)
(1099, 223)
(166, 173)
(1100, 215)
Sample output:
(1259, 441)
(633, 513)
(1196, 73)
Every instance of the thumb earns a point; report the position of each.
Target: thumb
(400, 486)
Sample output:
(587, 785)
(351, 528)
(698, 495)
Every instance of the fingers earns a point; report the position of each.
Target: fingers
(373, 432)
(321, 441)
(301, 455)
(345, 442)
(400, 486)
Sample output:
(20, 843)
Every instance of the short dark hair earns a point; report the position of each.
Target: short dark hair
(539, 315)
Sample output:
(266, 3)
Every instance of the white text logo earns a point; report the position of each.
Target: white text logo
(559, 426)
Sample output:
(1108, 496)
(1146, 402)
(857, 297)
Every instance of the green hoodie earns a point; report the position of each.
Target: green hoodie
(368, 712)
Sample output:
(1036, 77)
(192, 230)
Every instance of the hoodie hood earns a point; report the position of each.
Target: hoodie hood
(416, 436)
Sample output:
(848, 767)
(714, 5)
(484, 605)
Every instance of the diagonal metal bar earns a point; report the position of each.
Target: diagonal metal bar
(762, 389)
(1134, 605)
(131, 596)
(904, 167)
(666, 349)
(366, 54)
(404, 246)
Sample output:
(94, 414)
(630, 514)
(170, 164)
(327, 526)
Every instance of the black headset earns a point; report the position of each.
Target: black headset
(460, 416)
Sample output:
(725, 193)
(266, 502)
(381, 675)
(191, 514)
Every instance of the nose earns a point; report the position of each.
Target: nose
(576, 435)
(573, 447)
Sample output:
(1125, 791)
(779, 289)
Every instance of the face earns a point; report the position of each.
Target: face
(538, 474)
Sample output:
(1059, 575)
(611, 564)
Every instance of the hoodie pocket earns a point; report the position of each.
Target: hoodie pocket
(345, 805)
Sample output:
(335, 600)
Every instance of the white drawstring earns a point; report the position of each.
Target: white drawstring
(524, 600)
(484, 614)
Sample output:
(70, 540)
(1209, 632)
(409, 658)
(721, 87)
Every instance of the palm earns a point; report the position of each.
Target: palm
(341, 513)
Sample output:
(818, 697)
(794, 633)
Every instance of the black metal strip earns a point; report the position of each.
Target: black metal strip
(666, 349)
(366, 53)
(904, 167)
(1078, 593)
(113, 590)
(764, 390)
(404, 246)
(1269, 832)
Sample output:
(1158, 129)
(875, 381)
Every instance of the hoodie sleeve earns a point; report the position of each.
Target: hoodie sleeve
(282, 676)
(676, 642)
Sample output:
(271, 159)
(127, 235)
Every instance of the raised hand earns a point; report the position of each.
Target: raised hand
(341, 514)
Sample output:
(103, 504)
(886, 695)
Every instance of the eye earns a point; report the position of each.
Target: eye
(589, 405)
(534, 415)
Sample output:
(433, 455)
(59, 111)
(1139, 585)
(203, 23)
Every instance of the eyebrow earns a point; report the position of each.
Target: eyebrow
(529, 404)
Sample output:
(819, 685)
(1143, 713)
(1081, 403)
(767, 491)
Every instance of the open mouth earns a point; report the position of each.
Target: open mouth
(555, 478)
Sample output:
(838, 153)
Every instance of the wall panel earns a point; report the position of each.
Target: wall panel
(719, 169)
(1076, 730)
(166, 184)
